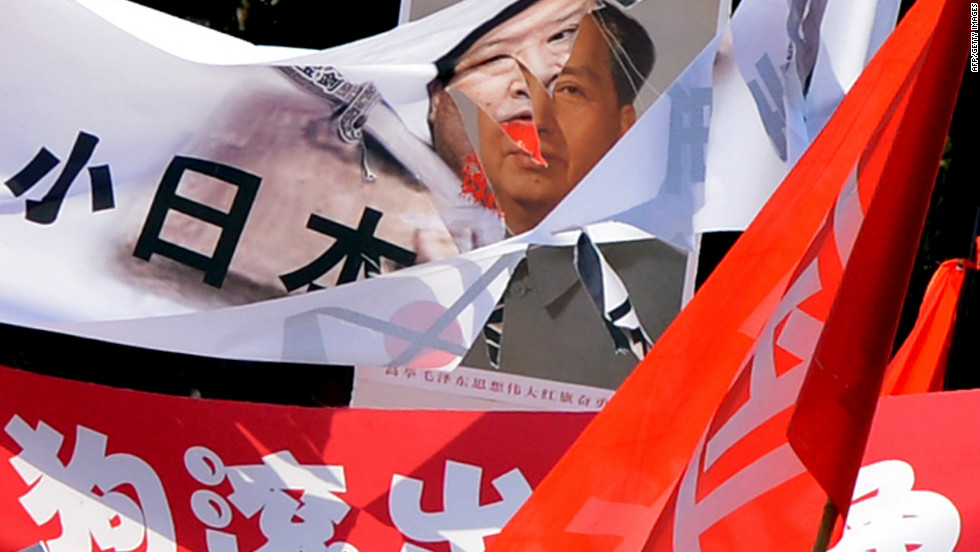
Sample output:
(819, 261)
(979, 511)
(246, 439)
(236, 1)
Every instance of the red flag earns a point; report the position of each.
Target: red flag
(709, 407)
(833, 413)
(919, 366)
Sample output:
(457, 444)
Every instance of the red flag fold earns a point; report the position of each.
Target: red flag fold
(919, 366)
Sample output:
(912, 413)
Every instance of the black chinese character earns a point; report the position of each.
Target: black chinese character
(358, 246)
(231, 223)
(46, 210)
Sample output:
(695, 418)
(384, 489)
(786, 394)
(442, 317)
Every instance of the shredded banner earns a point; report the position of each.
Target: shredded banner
(195, 189)
(355, 205)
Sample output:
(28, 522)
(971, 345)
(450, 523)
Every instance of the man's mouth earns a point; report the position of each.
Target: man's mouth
(525, 135)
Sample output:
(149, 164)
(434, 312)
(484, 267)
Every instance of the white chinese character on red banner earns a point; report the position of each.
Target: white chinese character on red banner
(888, 516)
(114, 501)
(463, 522)
(297, 508)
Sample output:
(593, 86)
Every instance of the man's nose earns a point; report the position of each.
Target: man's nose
(518, 89)
(544, 64)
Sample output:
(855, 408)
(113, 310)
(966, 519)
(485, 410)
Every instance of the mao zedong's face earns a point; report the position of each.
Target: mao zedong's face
(547, 69)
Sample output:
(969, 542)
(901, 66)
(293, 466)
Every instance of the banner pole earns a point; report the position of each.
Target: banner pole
(826, 526)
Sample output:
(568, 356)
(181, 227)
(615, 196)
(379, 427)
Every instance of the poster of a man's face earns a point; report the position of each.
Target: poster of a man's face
(554, 85)
(530, 101)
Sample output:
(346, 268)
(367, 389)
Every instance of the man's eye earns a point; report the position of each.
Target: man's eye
(569, 89)
(493, 65)
(490, 62)
(563, 34)
(495, 59)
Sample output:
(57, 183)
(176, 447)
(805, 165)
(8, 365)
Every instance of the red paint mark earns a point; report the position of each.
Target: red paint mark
(525, 135)
(475, 183)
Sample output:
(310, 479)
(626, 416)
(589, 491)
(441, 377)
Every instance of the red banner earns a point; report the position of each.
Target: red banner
(919, 484)
(86, 467)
